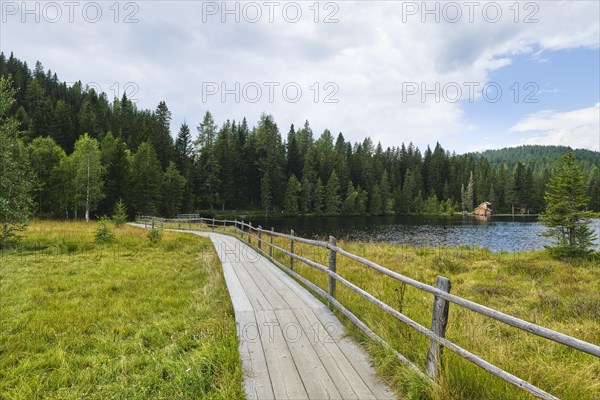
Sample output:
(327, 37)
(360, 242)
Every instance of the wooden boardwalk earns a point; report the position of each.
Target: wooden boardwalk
(292, 346)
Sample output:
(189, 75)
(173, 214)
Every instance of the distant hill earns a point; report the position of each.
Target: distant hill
(538, 157)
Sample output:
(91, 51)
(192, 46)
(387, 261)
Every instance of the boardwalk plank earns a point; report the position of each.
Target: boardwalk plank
(291, 345)
(285, 379)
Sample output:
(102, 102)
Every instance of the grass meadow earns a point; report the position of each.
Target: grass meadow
(560, 295)
(125, 320)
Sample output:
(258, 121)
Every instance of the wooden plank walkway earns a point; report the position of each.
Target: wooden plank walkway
(292, 346)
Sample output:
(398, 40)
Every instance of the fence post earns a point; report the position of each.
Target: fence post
(235, 228)
(332, 267)
(224, 221)
(250, 232)
(292, 250)
(259, 237)
(145, 223)
(178, 223)
(242, 230)
(152, 222)
(439, 321)
(271, 246)
(162, 223)
(212, 226)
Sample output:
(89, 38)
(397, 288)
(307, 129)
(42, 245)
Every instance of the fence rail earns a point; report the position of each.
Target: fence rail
(441, 292)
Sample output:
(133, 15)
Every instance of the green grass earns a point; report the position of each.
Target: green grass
(127, 320)
(561, 295)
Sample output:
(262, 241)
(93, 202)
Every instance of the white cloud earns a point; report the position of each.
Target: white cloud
(369, 54)
(577, 128)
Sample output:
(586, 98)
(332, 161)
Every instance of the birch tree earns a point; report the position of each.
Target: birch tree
(88, 173)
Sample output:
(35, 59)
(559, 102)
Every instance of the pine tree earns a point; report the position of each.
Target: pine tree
(15, 177)
(565, 215)
(332, 195)
(88, 176)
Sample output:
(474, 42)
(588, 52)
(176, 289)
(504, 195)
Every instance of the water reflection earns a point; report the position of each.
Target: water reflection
(496, 233)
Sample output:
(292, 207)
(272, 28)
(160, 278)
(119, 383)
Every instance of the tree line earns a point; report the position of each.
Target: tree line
(86, 153)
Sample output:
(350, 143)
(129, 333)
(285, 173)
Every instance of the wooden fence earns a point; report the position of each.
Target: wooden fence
(259, 238)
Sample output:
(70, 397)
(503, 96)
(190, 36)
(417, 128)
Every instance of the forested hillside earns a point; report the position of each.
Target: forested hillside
(87, 152)
(539, 157)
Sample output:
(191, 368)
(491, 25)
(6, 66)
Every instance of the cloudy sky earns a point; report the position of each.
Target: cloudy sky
(471, 75)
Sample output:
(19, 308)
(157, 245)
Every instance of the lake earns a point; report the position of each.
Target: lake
(496, 233)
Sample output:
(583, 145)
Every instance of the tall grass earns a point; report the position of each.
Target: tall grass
(121, 320)
(561, 295)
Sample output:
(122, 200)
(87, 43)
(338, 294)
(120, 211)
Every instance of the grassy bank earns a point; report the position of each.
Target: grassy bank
(559, 295)
(124, 320)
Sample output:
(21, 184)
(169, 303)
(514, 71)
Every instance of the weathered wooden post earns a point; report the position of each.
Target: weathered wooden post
(153, 222)
(212, 226)
(249, 232)
(439, 321)
(292, 250)
(242, 230)
(271, 241)
(162, 223)
(235, 228)
(259, 237)
(145, 223)
(332, 267)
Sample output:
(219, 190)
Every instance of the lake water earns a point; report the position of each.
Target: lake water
(496, 233)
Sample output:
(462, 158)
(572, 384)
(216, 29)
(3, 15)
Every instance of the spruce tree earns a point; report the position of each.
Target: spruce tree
(171, 190)
(208, 162)
(119, 216)
(319, 197)
(565, 214)
(146, 179)
(375, 207)
(290, 201)
(349, 204)
(332, 195)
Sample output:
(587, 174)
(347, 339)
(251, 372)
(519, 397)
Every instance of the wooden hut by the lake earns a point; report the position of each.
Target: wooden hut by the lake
(484, 209)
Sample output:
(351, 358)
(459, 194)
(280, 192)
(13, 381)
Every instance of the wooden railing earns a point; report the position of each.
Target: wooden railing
(254, 236)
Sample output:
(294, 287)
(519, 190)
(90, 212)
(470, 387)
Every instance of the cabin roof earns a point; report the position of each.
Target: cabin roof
(486, 205)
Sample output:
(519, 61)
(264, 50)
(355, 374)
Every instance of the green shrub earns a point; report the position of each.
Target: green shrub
(155, 235)
(104, 231)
